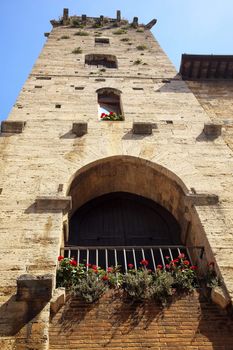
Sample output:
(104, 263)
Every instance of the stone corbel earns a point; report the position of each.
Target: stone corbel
(48, 203)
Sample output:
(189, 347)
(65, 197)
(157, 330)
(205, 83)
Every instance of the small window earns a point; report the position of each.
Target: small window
(109, 104)
(101, 60)
(102, 41)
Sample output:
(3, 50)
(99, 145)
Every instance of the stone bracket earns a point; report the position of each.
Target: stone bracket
(79, 128)
(151, 24)
(54, 203)
(201, 199)
(13, 127)
(142, 128)
(212, 129)
(30, 287)
(58, 300)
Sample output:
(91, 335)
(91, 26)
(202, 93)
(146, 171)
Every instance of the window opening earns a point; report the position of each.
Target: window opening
(102, 41)
(101, 60)
(109, 105)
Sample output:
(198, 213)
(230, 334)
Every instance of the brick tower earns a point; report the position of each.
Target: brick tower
(60, 152)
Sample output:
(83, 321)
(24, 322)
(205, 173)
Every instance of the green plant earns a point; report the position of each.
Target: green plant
(89, 282)
(138, 61)
(102, 70)
(111, 116)
(210, 278)
(75, 23)
(97, 25)
(141, 47)
(90, 288)
(125, 39)
(78, 50)
(183, 274)
(81, 33)
(138, 284)
(64, 37)
(162, 286)
(120, 31)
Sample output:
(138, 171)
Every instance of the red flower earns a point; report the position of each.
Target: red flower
(102, 115)
(60, 258)
(144, 262)
(105, 278)
(181, 256)
(159, 267)
(167, 266)
(111, 113)
(193, 267)
(88, 265)
(186, 262)
(109, 269)
(95, 271)
(175, 261)
(149, 270)
(73, 262)
(167, 257)
(94, 267)
(130, 266)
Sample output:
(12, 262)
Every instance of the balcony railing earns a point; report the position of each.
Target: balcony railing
(123, 256)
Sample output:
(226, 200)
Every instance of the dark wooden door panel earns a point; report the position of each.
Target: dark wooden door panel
(123, 219)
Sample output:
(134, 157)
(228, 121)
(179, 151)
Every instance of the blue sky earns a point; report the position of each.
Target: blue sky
(184, 26)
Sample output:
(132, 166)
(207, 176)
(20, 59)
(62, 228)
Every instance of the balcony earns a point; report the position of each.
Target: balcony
(123, 256)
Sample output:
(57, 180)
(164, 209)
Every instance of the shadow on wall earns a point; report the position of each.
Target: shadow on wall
(14, 315)
(174, 85)
(189, 321)
(215, 325)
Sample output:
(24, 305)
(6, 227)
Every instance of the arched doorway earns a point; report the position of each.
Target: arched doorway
(126, 209)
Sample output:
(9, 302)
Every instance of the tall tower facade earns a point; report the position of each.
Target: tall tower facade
(59, 151)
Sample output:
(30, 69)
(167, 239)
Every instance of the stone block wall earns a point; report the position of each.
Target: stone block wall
(42, 161)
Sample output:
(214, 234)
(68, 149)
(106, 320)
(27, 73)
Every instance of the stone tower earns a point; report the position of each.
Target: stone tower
(57, 155)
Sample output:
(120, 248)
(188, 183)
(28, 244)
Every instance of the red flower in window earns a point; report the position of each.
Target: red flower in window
(110, 269)
(111, 113)
(181, 256)
(102, 115)
(159, 267)
(105, 278)
(193, 267)
(60, 258)
(94, 267)
(144, 262)
(88, 265)
(73, 262)
(130, 266)
(186, 262)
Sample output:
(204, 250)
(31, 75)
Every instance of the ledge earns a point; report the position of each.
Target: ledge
(13, 127)
(54, 203)
(201, 199)
(142, 128)
(30, 287)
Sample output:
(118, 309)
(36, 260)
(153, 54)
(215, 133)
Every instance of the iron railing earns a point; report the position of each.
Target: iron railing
(123, 256)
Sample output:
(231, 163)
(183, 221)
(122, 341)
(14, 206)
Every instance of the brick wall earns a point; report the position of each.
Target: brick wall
(190, 323)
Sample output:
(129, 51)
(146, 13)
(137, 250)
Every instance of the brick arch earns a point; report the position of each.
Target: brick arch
(132, 175)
